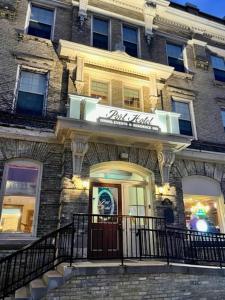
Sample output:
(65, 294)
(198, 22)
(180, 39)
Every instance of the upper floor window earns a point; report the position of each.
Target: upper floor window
(100, 35)
(223, 117)
(41, 22)
(20, 189)
(130, 40)
(175, 57)
(218, 64)
(131, 98)
(100, 90)
(31, 93)
(185, 123)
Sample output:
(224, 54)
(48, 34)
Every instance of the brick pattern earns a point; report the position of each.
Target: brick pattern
(141, 286)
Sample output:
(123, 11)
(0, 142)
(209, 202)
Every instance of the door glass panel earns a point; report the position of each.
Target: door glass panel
(140, 196)
(132, 196)
(105, 201)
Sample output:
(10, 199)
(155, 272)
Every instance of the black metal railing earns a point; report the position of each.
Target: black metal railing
(27, 264)
(121, 237)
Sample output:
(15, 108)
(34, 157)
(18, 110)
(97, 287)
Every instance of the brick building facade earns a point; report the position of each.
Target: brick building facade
(121, 97)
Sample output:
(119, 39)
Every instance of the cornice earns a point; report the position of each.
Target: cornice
(116, 60)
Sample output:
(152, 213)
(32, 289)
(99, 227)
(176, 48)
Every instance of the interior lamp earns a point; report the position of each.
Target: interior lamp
(85, 184)
(202, 225)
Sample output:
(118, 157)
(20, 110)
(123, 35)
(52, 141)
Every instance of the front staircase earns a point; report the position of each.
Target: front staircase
(47, 263)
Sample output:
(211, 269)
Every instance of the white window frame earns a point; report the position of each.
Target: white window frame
(109, 88)
(21, 68)
(140, 89)
(109, 30)
(37, 200)
(138, 37)
(184, 52)
(27, 21)
(192, 115)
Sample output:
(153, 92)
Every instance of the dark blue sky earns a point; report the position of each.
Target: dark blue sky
(212, 7)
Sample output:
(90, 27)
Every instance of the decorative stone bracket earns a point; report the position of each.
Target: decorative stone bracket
(82, 14)
(79, 147)
(149, 15)
(77, 75)
(166, 159)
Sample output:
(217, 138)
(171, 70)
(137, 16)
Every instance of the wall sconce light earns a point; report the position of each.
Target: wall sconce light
(160, 189)
(85, 184)
(80, 184)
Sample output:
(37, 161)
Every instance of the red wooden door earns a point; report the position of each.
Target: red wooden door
(104, 222)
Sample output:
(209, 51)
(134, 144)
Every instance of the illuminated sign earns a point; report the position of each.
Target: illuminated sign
(127, 118)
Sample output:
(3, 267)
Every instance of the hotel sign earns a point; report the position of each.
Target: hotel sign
(127, 118)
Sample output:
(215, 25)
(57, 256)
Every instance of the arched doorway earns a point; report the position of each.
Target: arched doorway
(204, 204)
(116, 188)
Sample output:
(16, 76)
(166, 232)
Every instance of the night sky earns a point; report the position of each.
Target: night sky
(212, 7)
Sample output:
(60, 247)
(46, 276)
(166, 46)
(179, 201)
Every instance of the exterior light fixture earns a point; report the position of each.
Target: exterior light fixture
(85, 184)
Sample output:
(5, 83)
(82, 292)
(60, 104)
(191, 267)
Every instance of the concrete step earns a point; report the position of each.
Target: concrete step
(23, 294)
(38, 289)
(65, 270)
(53, 279)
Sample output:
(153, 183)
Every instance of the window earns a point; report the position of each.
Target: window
(19, 197)
(136, 201)
(41, 22)
(185, 124)
(132, 98)
(31, 93)
(130, 40)
(100, 90)
(175, 57)
(223, 117)
(218, 64)
(100, 33)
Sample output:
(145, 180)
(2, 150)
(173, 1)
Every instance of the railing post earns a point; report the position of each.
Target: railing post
(120, 221)
(167, 246)
(219, 252)
(72, 242)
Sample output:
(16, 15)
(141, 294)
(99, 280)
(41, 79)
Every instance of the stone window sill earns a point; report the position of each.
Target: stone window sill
(182, 75)
(219, 83)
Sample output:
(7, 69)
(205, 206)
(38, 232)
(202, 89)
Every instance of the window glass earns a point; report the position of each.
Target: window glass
(100, 26)
(136, 201)
(223, 117)
(175, 51)
(218, 63)
(41, 21)
(100, 89)
(219, 68)
(19, 197)
(130, 40)
(31, 93)
(175, 57)
(100, 33)
(131, 98)
(41, 15)
(183, 109)
(185, 124)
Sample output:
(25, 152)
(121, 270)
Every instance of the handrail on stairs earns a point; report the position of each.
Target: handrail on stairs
(30, 262)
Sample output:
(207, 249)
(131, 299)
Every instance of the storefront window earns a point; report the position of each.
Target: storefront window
(202, 215)
(19, 197)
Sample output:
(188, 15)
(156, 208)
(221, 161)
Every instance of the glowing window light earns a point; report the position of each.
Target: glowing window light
(202, 225)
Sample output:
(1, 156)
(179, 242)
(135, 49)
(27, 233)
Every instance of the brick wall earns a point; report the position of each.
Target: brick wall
(126, 284)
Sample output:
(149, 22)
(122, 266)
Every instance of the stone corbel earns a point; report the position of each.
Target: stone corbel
(153, 96)
(149, 15)
(165, 159)
(82, 14)
(77, 75)
(79, 147)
